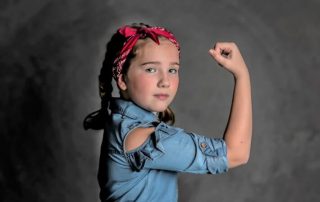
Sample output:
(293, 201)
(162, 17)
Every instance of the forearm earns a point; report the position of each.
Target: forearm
(238, 133)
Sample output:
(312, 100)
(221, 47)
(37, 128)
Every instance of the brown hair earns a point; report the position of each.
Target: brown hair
(97, 120)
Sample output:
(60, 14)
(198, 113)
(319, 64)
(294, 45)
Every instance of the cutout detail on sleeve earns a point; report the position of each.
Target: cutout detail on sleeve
(151, 149)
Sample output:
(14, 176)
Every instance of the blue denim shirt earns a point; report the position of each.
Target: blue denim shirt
(149, 172)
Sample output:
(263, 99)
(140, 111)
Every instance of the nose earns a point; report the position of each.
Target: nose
(164, 81)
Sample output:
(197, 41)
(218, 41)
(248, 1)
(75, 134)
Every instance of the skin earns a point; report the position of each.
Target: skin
(238, 133)
(152, 79)
(141, 86)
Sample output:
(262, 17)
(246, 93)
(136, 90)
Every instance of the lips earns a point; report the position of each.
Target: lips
(162, 96)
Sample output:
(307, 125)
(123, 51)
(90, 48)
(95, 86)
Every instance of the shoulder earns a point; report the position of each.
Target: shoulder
(137, 137)
(140, 135)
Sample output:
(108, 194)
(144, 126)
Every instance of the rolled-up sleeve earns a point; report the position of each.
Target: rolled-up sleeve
(170, 148)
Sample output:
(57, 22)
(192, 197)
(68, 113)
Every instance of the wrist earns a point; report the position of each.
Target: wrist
(241, 75)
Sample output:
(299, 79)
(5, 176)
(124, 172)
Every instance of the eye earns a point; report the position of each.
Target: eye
(150, 70)
(173, 70)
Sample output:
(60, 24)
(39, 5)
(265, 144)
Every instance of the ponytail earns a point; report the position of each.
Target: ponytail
(167, 116)
(97, 119)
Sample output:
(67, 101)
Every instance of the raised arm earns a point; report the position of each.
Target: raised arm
(238, 132)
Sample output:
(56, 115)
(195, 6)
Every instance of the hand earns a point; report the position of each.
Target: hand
(228, 56)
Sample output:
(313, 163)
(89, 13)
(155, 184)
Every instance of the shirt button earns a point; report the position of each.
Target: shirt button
(203, 145)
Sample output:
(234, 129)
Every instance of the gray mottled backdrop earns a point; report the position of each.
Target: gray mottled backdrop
(50, 56)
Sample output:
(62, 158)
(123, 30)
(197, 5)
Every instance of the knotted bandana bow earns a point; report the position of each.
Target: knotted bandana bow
(132, 35)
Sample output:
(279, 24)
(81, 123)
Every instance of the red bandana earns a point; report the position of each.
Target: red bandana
(132, 35)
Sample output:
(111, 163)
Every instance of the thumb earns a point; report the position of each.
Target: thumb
(221, 60)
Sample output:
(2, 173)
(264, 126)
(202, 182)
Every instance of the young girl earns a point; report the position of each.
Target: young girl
(142, 152)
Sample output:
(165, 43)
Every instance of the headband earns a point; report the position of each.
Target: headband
(132, 35)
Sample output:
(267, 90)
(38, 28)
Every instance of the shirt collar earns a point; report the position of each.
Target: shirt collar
(131, 110)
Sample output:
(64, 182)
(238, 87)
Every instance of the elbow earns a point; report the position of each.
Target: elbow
(244, 160)
(238, 160)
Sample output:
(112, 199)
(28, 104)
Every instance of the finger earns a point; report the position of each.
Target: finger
(226, 53)
(221, 60)
(226, 48)
(225, 45)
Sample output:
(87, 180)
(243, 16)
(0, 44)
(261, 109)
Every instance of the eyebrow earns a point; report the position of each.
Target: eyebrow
(158, 63)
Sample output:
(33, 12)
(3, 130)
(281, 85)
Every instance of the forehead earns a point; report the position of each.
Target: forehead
(147, 48)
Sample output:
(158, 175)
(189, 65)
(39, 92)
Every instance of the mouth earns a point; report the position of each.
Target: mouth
(162, 96)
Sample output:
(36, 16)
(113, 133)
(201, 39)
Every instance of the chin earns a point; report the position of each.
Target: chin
(158, 108)
(154, 106)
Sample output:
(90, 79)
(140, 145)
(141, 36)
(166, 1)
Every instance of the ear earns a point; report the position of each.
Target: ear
(121, 83)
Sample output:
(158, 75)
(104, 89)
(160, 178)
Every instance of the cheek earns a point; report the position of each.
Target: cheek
(175, 83)
(140, 83)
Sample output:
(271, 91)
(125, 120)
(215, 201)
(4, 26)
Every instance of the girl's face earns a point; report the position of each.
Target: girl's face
(152, 79)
